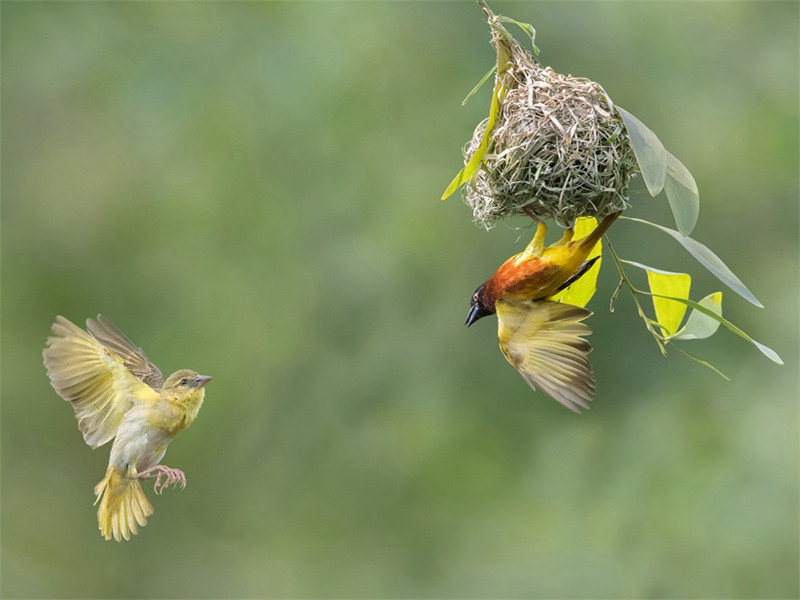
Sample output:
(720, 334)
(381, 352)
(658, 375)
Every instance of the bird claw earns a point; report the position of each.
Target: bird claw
(171, 477)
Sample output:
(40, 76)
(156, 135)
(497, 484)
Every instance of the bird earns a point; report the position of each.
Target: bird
(539, 336)
(117, 393)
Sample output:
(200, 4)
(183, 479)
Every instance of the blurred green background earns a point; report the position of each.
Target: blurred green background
(251, 190)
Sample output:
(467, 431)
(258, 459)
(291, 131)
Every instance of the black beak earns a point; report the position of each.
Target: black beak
(476, 311)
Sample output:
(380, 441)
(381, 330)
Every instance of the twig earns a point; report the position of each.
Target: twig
(623, 280)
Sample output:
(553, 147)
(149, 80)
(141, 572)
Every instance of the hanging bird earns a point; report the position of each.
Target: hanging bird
(541, 338)
(117, 393)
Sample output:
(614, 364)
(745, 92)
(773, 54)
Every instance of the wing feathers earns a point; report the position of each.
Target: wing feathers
(542, 340)
(132, 356)
(93, 379)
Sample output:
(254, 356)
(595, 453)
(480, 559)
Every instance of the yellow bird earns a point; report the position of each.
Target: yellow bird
(540, 337)
(117, 393)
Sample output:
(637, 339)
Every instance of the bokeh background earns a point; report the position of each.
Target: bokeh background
(252, 190)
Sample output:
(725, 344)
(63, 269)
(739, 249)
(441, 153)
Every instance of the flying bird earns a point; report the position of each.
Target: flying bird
(540, 337)
(117, 393)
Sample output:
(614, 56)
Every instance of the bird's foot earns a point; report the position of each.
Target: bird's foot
(170, 477)
(569, 233)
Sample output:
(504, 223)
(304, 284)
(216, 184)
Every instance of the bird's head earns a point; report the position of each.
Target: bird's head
(186, 388)
(478, 307)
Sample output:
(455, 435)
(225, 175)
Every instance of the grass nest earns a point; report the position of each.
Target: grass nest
(558, 148)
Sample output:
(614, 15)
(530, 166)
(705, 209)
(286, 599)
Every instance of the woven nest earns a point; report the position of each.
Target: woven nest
(558, 149)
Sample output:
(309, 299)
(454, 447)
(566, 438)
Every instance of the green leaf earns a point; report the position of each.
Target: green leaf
(669, 314)
(765, 350)
(474, 90)
(498, 93)
(474, 163)
(502, 84)
(682, 195)
(699, 326)
(580, 292)
(703, 362)
(709, 260)
(527, 28)
(645, 267)
(649, 151)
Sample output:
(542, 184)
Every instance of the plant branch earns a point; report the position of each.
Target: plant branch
(624, 281)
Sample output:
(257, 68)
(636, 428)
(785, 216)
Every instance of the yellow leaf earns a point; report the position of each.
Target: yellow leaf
(580, 292)
(583, 227)
(669, 313)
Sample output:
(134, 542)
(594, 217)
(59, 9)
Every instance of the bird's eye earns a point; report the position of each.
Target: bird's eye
(475, 297)
(184, 381)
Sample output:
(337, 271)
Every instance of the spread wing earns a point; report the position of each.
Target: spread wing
(94, 379)
(542, 340)
(132, 356)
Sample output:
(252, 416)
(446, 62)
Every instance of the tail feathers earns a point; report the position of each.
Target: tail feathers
(123, 506)
(590, 240)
